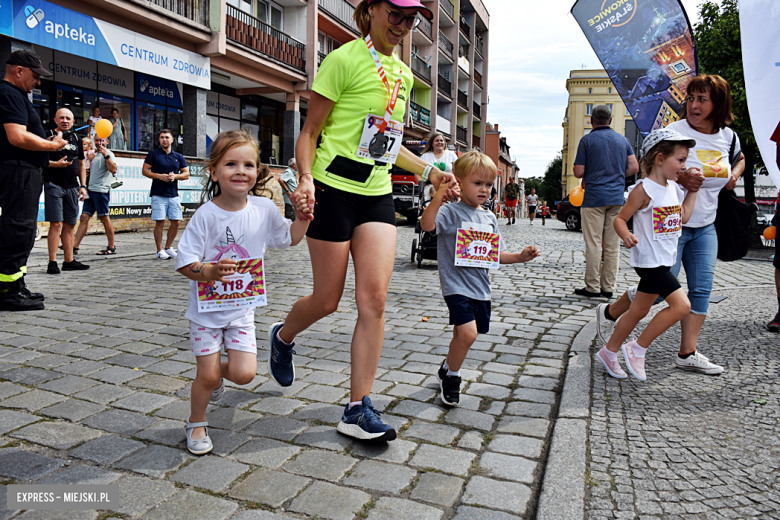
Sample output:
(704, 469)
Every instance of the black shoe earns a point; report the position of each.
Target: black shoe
(450, 386)
(16, 301)
(774, 325)
(53, 268)
(605, 294)
(586, 293)
(513, 221)
(74, 265)
(24, 292)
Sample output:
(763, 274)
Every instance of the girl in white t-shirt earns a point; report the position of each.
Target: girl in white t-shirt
(233, 225)
(654, 202)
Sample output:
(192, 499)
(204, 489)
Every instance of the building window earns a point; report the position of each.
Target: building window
(590, 91)
(628, 114)
(270, 14)
(587, 131)
(610, 90)
(588, 109)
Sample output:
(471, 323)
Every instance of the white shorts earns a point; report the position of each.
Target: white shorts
(205, 341)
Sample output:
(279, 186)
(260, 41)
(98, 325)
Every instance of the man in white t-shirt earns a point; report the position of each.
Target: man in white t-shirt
(532, 200)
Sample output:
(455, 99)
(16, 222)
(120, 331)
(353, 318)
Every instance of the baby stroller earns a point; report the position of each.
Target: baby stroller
(424, 246)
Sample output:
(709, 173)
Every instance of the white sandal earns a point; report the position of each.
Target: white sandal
(198, 446)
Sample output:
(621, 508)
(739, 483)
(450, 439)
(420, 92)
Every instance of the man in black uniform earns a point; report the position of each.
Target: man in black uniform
(64, 185)
(24, 151)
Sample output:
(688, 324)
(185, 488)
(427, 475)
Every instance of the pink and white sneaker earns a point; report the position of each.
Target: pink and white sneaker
(613, 367)
(635, 364)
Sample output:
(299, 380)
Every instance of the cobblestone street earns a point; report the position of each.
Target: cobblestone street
(95, 389)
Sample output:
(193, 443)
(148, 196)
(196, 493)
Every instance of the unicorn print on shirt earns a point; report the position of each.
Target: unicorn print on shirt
(230, 248)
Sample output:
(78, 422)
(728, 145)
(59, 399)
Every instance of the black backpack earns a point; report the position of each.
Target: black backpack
(734, 221)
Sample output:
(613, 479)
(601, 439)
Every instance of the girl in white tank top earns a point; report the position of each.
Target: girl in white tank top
(654, 202)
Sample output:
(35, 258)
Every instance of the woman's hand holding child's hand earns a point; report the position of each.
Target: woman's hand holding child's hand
(630, 241)
(302, 206)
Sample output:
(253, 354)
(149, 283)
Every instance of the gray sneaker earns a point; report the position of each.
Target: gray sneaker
(604, 325)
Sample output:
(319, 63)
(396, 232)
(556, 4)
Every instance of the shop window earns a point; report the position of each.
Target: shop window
(151, 119)
(249, 112)
(121, 138)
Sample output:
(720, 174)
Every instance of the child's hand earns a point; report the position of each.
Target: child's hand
(223, 268)
(630, 241)
(302, 207)
(443, 186)
(529, 253)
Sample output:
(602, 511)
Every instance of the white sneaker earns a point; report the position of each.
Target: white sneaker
(698, 362)
(604, 325)
(171, 252)
(162, 255)
(632, 292)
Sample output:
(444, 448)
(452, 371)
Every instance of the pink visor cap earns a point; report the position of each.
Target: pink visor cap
(407, 4)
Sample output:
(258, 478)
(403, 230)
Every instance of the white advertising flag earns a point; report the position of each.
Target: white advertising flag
(759, 22)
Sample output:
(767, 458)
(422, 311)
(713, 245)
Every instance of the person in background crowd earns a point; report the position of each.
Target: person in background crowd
(437, 154)
(545, 211)
(774, 324)
(103, 170)
(288, 180)
(118, 138)
(166, 168)
(511, 191)
(24, 152)
(64, 184)
(533, 201)
(93, 119)
(604, 160)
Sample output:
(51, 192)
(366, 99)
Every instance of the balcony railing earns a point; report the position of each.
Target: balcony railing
(478, 45)
(419, 114)
(247, 30)
(463, 99)
(475, 140)
(195, 10)
(342, 11)
(421, 68)
(445, 86)
(449, 8)
(477, 110)
(460, 134)
(426, 27)
(320, 57)
(445, 44)
(478, 77)
(465, 29)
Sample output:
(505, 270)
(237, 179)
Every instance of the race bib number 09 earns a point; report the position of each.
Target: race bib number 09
(667, 222)
(244, 289)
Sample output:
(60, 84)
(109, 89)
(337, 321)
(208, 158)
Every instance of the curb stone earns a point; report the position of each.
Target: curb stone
(564, 475)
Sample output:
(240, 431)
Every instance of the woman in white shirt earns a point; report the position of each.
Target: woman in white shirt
(717, 157)
(437, 154)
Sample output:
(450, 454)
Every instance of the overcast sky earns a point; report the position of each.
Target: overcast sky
(533, 46)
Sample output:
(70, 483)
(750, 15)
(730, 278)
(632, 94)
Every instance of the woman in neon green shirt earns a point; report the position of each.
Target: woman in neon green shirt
(348, 177)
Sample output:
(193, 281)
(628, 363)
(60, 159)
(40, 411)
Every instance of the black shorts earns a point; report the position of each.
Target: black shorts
(337, 213)
(776, 261)
(657, 280)
(464, 310)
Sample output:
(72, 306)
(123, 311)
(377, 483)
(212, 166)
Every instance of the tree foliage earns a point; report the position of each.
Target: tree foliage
(547, 187)
(719, 49)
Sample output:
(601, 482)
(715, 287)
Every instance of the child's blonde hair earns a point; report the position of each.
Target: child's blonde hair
(87, 140)
(224, 142)
(473, 161)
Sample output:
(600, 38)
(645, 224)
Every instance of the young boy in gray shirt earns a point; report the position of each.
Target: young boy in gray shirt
(464, 261)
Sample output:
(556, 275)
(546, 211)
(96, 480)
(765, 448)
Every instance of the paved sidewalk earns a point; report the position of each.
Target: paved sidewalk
(683, 445)
(95, 390)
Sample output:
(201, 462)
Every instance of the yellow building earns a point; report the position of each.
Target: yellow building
(587, 88)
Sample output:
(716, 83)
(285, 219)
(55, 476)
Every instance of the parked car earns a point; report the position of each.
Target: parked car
(569, 214)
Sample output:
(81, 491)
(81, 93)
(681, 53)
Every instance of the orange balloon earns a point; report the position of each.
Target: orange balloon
(103, 128)
(770, 233)
(576, 195)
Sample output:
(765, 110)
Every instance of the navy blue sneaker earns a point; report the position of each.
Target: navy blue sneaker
(280, 358)
(362, 422)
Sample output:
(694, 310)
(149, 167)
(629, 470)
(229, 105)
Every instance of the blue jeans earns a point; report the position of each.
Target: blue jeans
(697, 250)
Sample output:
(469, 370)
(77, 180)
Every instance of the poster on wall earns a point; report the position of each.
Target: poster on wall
(758, 20)
(647, 49)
